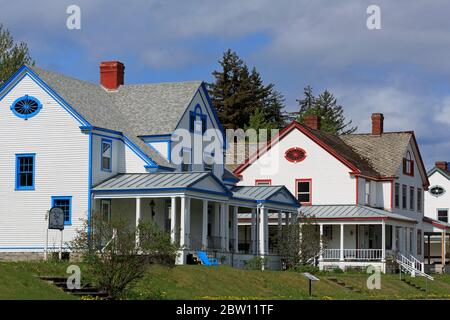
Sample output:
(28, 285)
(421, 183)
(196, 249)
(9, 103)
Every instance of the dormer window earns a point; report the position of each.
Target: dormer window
(197, 121)
(408, 165)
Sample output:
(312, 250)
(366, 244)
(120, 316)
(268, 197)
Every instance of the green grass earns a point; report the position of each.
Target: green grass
(17, 281)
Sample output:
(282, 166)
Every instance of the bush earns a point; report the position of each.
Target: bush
(307, 268)
(337, 270)
(114, 257)
(255, 263)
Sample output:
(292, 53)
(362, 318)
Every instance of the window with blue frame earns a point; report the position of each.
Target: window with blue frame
(25, 169)
(65, 203)
(106, 156)
(26, 107)
(197, 120)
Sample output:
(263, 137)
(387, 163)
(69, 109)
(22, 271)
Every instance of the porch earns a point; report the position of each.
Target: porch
(437, 242)
(195, 208)
(359, 236)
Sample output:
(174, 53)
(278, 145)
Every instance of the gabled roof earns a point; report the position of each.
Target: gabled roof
(351, 212)
(263, 193)
(441, 171)
(134, 110)
(133, 182)
(375, 156)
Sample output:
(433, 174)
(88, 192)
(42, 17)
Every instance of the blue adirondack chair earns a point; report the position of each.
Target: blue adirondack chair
(205, 260)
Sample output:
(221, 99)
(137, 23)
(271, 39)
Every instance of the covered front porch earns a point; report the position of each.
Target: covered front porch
(359, 236)
(195, 208)
(437, 242)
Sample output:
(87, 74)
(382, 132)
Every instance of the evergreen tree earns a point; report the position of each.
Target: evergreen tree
(258, 121)
(12, 55)
(238, 93)
(330, 112)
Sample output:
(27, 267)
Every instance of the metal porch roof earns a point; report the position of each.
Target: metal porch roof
(353, 212)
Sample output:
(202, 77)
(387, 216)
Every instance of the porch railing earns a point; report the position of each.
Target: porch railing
(353, 254)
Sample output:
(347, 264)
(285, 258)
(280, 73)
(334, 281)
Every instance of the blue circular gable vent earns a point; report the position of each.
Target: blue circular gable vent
(26, 107)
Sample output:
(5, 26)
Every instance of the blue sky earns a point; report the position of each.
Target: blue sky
(402, 70)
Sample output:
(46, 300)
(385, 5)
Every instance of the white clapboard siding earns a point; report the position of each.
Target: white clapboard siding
(331, 182)
(61, 169)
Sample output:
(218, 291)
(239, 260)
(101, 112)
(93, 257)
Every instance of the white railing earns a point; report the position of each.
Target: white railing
(409, 266)
(331, 254)
(417, 264)
(353, 254)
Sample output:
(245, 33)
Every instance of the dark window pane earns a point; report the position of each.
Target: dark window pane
(303, 197)
(303, 187)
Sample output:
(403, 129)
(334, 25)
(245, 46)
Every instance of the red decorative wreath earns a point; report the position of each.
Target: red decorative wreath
(295, 154)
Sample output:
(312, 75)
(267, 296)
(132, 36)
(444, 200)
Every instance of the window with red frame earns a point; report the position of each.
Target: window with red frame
(408, 165)
(303, 189)
(263, 182)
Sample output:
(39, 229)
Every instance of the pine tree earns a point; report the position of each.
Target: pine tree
(330, 112)
(258, 121)
(12, 55)
(237, 93)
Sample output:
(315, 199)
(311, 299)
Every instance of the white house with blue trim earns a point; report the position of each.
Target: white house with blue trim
(109, 147)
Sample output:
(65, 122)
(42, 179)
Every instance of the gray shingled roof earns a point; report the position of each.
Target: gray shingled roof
(350, 211)
(384, 153)
(134, 181)
(134, 110)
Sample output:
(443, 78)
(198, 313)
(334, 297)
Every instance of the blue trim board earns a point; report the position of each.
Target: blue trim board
(106, 141)
(67, 223)
(23, 72)
(89, 187)
(17, 179)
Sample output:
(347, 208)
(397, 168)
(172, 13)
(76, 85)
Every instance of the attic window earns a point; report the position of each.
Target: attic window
(408, 165)
(437, 191)
(295, 155)
(197, 120)
(26, 107)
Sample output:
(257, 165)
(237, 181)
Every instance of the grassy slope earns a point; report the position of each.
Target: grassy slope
(198, 282)
(18, 282)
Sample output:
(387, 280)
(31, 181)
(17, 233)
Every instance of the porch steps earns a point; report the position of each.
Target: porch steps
(342, 284)
(87, 290)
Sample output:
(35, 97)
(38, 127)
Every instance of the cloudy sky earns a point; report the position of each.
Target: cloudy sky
(402, 70)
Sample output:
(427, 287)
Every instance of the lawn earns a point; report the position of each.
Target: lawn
(18, 281)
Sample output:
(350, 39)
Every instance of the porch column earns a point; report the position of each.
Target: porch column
(443, 248)
(254, 230)
(138, 218)
(222, 225)
(262, 231)
(341, 253)
(383, 241)
(429, 248)
(321, 242)
(184, 222)
(235, 229)
(205, 225)
(217, 221)
(280, 226)
(173, 219)
(227, 227)
(394, 240)
(414, 241)
(287, 218)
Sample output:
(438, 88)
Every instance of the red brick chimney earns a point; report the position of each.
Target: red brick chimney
(112, 74)
(377, 123)
(312, 121)
(442, 165)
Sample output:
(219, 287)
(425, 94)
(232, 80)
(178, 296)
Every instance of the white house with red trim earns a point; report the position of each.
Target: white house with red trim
(366, 191)
(436, 220)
